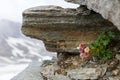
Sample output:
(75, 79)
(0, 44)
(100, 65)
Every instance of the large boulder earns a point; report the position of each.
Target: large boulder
(109, 9)
(63, 29)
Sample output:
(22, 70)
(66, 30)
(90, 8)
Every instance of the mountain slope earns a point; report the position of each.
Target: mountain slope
(16, 48)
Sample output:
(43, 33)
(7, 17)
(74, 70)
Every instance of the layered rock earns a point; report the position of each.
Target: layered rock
(109, 9)
(63, 29)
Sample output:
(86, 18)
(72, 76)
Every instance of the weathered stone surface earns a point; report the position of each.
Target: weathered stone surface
(115, 72)
(85, 73)
(109, 9)
(117, 57)
(49, 73)
(54, 72)
(114, 78)
(63, 29)
(49, 70)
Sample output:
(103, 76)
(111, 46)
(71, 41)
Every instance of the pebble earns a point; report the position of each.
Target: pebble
(115, 72)
(117, 57)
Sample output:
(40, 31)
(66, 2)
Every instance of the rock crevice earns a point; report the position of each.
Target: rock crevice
(109, 9)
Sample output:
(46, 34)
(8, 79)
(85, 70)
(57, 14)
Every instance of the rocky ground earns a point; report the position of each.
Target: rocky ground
(76, 69)
(73, 68)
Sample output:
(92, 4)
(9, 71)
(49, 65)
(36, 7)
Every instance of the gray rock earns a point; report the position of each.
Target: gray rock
(109, 9)
(49, 72)
(85, 73)
(59, 77)
(115, 72)
(114, 78)
(117, 57)
(46, 62)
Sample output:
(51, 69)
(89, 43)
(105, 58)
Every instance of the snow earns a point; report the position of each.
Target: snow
(6, 59)
(7, 72)
(32, 72)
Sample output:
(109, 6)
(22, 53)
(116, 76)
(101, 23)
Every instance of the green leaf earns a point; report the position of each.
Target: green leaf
(99, 47)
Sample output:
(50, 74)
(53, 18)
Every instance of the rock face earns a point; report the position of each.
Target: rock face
(63, 29)
(109, 9)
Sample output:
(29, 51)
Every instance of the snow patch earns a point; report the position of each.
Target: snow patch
(7, 72)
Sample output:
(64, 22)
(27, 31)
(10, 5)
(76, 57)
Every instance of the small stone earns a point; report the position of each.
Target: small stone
(114, 78)
(108, 74)
(53, 72)
(75, 63)
(104, 69)
(115, 72)
(113, 65)
(118, 66)
(83, 10)
(84, 73)
(95, 59)
(117, 57)
(46, 62)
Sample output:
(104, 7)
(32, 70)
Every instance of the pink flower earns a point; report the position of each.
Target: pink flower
(84, 55)
(83, 50)
(82, 45)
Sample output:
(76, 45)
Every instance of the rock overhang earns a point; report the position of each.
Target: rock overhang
(63, 29)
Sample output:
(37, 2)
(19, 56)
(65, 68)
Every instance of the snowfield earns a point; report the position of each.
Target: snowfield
(7, 72)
